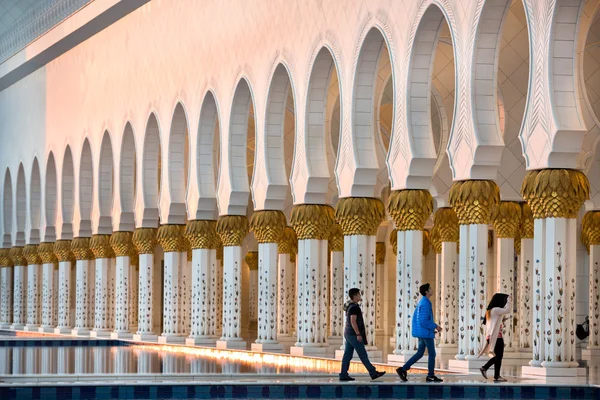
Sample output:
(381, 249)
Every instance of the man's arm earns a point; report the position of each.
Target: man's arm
(425, 318)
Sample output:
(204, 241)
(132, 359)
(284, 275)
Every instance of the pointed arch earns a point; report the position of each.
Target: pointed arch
(178, 155)
(67, 189)
(50, 194)
(105, 184)
(35, 200)
(207, 146)
(7, 209)
(86, 189)
(127, 174)
(151, 172)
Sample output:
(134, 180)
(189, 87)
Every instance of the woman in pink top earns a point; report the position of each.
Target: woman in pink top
(499, 305)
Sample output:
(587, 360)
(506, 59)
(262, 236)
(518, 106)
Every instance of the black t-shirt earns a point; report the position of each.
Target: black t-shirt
(354, 309)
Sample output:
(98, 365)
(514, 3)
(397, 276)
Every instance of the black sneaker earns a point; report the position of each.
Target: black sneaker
(402, 374)
(378, 374)
(347, 379)
(433, 379)
(500, 379)
(483, 372)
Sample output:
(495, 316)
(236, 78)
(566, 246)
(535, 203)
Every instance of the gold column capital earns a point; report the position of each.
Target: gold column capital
(436, 242)
(46, 253)
(426, 242)
(312, 221)
(507, 220)
(17, 257)
(232, 229)
(80, 247)
(394, 240)
(410, 208)
(144, 240)
(268, 225)
(474, 201)
(62, 249)
(171, 238)
(336, 238)
(289, 242)
(122, 243)
(30, 252)
(590, 229)
(100, 246)
(252, 260)
(5, 260)
(526, 222)
(445, 222)
(380, 252)
(359, 215)
(555, 193)
(201, 234)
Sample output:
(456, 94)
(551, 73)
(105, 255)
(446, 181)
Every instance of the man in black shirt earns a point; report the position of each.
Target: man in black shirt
(356, 338)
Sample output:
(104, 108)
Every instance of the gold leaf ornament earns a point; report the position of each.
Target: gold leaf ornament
(474, 201)
(410, 208)
(312, 221)
(268, 225)
(359, 215)
(232, 229)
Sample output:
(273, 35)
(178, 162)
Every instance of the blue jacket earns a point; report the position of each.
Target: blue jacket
(423, 326)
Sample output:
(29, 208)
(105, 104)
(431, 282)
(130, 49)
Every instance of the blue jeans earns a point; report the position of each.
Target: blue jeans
(429, 343)
(353, 344)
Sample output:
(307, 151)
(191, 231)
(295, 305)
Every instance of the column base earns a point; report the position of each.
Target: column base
(5, 326)
(516, 358)
(467, 365)
(46, 329)
(228, 344)
(121, 335)
(145, 337)
(267, 347)
(17, 327)
(32, 327)
(308, 351)
(201, 341)
(171, 338)
(63, 330)
(335, 341)
(100, 333)
(542, 372)
(446, 349)
(286, 340)
(80, 332)
(374, 355)
(588, 354)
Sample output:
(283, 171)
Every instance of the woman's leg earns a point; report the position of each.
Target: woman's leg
(499, 350)
(490, 361)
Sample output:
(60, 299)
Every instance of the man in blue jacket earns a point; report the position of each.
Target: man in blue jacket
(424, 329)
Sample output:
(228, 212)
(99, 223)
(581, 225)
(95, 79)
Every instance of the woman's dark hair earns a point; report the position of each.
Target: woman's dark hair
(424, 288)
(353, 292)
(498, 301)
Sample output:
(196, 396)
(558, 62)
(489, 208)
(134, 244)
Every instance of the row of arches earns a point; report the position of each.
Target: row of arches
(298, 151)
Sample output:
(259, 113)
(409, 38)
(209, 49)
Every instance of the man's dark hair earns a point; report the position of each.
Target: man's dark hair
(424, 288)
(353, 292)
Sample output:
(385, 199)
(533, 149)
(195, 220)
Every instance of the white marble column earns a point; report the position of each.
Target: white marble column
(144, 240)
(253, 296)
(122, 246)
(134, 272)
(19, 288)
(267, 298)
(590, 236)
(286, 299)
(34, 293)
(217, 316)
(203, 240)
(557, 217)
(62, 249)
(104, 281)
(526, 280)
(185, 282)
(338, 295)
(474, 202)
(313, 225)
(49, 286)
(380, 251)
(172, 240)
(6, 286)
(84, 286)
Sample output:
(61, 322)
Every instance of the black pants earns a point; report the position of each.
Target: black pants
(497, 360)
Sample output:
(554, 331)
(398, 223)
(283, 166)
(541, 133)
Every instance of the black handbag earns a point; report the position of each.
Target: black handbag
(583, 330)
